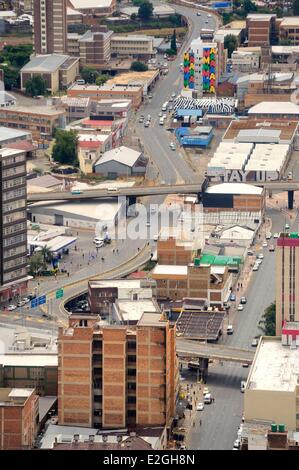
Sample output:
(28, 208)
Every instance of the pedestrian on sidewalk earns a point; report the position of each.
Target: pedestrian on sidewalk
(200, 422)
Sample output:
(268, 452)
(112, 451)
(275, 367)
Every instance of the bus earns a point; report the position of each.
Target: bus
(165, 106)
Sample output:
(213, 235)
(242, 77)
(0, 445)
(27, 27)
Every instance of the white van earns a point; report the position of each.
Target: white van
(229, 329)
(208, 399)
(161, 121)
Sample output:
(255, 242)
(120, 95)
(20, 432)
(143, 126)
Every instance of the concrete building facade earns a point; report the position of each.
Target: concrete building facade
(117, 376)
(13, 225)
(50, 26)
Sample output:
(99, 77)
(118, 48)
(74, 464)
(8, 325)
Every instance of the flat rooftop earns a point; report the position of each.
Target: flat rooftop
(151, 319)
(14, 396)
(39, 110)
(275, 108)
(290, 21)
(165, 269)
(29, 360)
(132, 310)
(234, 188)
(287, 128)
(275, 367)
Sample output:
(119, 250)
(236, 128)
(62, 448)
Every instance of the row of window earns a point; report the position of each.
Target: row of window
(15, 228)
(13, 159)
(11, 206)
(14, 182)
(14, 194)
(14, 216)
(16, 274)
(15, 262)
(14, 251)
(16, 170)
(14, 240)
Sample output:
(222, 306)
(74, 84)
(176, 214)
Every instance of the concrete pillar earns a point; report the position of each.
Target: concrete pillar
(270, 192)
(291, 199)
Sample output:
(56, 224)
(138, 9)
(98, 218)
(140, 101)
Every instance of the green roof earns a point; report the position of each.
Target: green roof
(220, 260)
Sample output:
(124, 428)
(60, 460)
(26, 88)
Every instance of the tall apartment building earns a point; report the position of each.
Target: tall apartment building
(116, 376)
(50, 26)
(287, 280)
(94, 46)
(13, 223)
(18, 418)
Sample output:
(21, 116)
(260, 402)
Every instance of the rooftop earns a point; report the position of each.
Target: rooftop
(122, 154)
(271, 107)
(120, 283)
(165, 269)
(38, 110)
(152, 319)
(29, 360)
(45, 181)
(7, 133)
(287, 129)
(45, 63)
(234, 188)
(14, 396)
(275, 367)
(87, 4)
(290, 21)
(132, 310)
(260, 16)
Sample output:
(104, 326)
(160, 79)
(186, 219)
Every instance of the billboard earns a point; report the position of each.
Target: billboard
(209, 69)
(189, 70)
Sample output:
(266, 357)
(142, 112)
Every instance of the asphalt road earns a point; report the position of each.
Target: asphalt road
(220, 420)
(171, 164)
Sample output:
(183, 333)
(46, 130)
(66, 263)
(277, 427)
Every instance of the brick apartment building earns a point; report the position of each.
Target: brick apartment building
(261, 29)
(93, 47)
(13, 225)
(18, 418)
(117, 376)
(170, 251)
(50, 26)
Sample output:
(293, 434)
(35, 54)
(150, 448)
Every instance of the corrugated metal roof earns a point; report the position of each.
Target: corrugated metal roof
(45, 63)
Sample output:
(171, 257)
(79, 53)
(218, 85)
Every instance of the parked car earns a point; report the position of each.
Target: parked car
(250, 253)
(240, 308)
(146, 124)
(232, 297)
(268, 236)
(256, 267)
(198, 13)
(254, 342)
(245, 365)
(100, 244)
(243, 300)
(265, 244)
(271, 248)
(21, 303)
(229, 329)
(98, 240)
(10, 308)
(260, 256)
(276, 235)
(243, 385)
(206, 391)
(237, 444)
(287, 226)
(200, 407)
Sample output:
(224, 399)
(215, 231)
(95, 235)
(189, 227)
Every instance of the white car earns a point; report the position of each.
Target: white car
(200, 406)
(160, 114)
(198, 14)
(173, 95)
(255, 267)
(258, 262)
(209, 16)
(276, 235)
(98, 240)
(286, 226)
(237, 444)
(265, 244)
(10, 308)
(240, 308)
(206, 21)
(260, 256)
(268, 236)
(148, 224)
(100, 244)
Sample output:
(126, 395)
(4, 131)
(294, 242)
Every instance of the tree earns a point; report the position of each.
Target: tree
(170, 52)
(249, 6)
(173, 45)
(36, 264)
(36, 86)
(230, 43)
(46, 254)
(11, 78)
(89, 74)
(65, 147)
(139, 66)
(296, 7)
(101, 79)
(145, 11)
(268, 322)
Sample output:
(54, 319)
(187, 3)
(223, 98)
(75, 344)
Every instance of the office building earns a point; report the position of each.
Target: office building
(18, 418)
(287, 280)
(50, 26)
(109, 90)
(289, 30)
(93, 47)
(117, 376)
(137, 46)
(13, 228)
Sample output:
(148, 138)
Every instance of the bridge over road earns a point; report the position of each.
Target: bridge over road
(194, 349)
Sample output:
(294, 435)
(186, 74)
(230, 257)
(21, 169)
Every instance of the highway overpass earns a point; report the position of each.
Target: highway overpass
(194, 349)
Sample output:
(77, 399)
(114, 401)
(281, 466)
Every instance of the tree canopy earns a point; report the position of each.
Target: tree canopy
(268, 322)
(101, 79)
(65, 147)
(145, 11)
(296, 7)
(36, 86)
(89, 74)
(139, 66)
(230, 43)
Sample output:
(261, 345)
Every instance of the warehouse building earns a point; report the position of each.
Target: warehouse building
(271, 109)
(121, 161)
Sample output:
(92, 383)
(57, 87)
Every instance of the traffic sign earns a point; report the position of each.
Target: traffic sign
(59, 293)
(34, 303)
(41, 300)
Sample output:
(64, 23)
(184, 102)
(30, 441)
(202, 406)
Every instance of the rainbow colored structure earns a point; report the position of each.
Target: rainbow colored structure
(189, 70)
(209, 70)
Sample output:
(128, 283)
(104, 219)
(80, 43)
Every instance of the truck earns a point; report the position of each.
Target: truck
(165, 106)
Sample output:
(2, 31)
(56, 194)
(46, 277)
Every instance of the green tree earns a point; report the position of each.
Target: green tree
(36, 264)
(296, 7)
(139, 66)
(89, 74)
(101, 79)
(268, 322)
(65, 147)
(145, 11)
(11, 78)
(170, 52)
(137, 3)
(249, 6)
(230, 43)
(36, 86)
(173, 45)
(47, 255)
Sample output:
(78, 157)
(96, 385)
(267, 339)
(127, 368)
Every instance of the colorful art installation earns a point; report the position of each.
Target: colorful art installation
(189, 70)
(209, 70)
